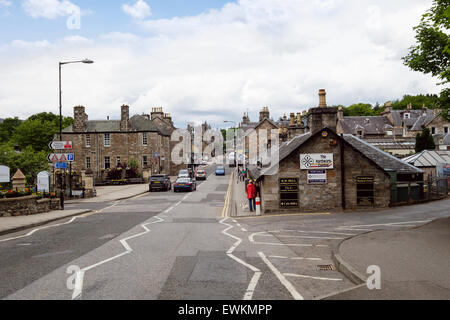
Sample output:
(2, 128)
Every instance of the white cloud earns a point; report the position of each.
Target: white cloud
(5, 3)
(49, 9)
(215, 65)
(140, 10)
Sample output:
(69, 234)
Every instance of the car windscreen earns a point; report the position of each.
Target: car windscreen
(157, 178)
(183, 180)
(183, 172)
(201, 171)
(220, 168)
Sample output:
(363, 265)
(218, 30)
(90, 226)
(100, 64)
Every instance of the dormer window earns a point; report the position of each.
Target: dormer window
(359, 133)
(407, 116)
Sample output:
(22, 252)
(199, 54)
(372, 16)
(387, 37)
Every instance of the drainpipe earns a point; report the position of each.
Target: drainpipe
(341, 144)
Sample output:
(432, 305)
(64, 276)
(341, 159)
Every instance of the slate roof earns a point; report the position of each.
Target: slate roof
(137, 123)
(372, 125)
(382, 159)
(446, 140)
(428, 158)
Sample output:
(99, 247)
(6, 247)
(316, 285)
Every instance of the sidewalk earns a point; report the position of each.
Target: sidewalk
(414, 263)
(112, 193)
(239, 198)
(14, 224)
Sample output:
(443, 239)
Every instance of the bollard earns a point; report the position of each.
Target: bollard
(258, 206)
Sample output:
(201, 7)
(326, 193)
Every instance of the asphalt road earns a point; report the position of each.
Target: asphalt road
(167, 245)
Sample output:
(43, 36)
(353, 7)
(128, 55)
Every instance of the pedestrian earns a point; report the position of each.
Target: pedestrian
(251, 195)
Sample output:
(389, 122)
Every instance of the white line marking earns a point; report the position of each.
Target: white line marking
(282, 278)
(252, 236)
(244, 230)
(311, 277)
(24, 244)
(295, 258)
(303, 237)
(385, 224)
(128, 250)
(322, 232)
(254, 281)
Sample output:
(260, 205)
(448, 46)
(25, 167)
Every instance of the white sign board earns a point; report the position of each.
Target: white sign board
(4, 174)
(43, 181)
(60, 145)
(313, 161)
(317, 176)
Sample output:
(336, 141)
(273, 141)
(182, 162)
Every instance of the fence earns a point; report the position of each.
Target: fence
(419, 191)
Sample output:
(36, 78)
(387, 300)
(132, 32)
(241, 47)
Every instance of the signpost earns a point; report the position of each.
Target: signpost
(4, 174)
(61, 157)
(43, 181)
(60, 145)
(322, 161)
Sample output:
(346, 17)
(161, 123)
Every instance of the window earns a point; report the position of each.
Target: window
(144, 161)
(445, 130)
(88, 162)
(88, 140)
(359, 133)
(433, 130)
(389, 132)
(407, 116)
(117, 161)
(107, 162)
(107, 140)
(144, 138)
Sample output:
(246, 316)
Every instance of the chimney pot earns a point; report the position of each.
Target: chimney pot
(322, 98)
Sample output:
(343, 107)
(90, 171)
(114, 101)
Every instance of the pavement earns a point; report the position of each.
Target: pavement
(414, 263)
(239, 198)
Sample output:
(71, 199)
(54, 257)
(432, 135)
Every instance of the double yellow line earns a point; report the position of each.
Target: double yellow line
(227, 197)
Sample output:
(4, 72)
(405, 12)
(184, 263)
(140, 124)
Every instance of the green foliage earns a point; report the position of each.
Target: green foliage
(431, 53)
(7, 128)
(359, 109)
(424, 141)
(28, 160)
(430, 101)
(133, 164)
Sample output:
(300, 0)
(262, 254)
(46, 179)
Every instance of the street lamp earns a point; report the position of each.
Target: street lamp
(86, 61)
(234, 138)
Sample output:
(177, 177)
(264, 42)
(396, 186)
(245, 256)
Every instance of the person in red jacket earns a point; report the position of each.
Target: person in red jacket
(251, 195)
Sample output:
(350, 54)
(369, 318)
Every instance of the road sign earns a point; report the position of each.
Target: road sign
(4, 174)
(60, 145)
(155, 155)
(43, 181)
(61, 157)
(60, 165)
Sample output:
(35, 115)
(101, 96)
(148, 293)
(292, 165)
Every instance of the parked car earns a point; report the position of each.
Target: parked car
(160, 182)
(220, 171)
(185, 184)
(200, 175)
(183, 173)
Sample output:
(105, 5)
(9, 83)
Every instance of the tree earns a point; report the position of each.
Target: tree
(7, 128)
(424, 141)
(359, 109)
(430, 101)
(431, 53)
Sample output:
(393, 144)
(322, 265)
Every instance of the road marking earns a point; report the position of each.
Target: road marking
(282, 278)
(295, 258)
(24, 244)
(311, 277)
(302, 237)
(391, 224)
(77, 294)
(251, 239)
(244, 230)
(257, 273)
(284, 215)
(227, 197)
(321, 232)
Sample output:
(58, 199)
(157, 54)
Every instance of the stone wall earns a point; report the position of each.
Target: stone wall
(28, 205)
(325, 197)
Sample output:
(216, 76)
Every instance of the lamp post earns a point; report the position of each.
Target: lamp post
(86, 61)
(234, 138)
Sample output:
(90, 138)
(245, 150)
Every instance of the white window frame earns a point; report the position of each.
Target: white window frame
(407, 116)
(88, 162)
(109, 162)
(88, 140)
(144, 139)
(144, 164)
(107, 141)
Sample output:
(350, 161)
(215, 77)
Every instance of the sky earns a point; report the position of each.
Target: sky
(205, 60)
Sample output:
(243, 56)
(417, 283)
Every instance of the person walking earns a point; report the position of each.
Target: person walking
(251, 195)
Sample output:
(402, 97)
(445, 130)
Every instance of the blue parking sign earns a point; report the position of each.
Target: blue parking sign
(70, 157)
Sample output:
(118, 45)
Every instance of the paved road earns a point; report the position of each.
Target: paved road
(178, 246)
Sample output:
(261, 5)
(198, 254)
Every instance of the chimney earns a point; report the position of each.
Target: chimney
(245, 119)
(409, 106)
(322, 116)
(388, 106)
(79, 119)
(322, 98)
(168, 117)
(264, 113)
(157, 113)
(292, 119)
(340, 114)
(125, 118)
(299, 117)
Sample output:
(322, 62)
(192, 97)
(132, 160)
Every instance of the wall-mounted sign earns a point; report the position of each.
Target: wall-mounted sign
(43, 181)
(365, 195)
(317, 176)
(311, 161)
(289, 189)
(61, 157)
(4, 174)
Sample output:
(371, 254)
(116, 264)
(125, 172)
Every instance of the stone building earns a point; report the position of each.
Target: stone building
(100, 145)
(395, 130)
(321, 170)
